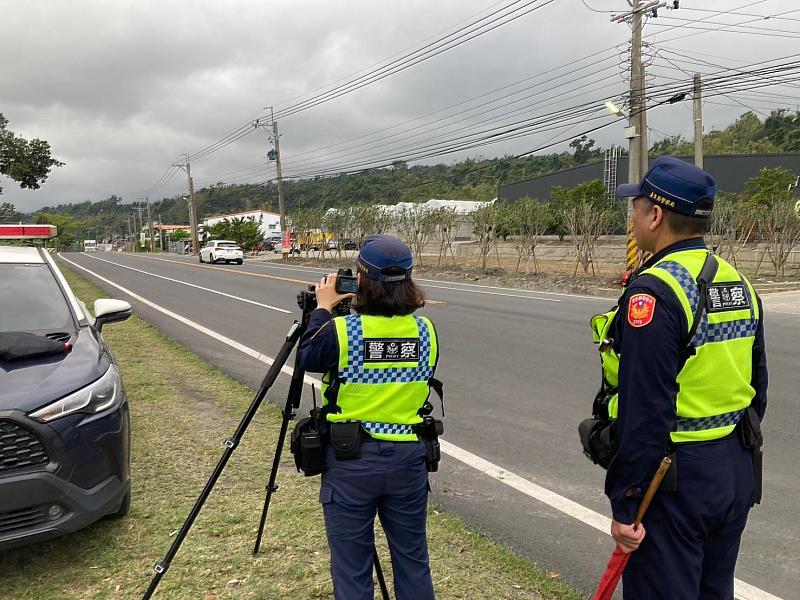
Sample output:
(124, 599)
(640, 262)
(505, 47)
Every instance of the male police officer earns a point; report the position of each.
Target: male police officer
(699, 398)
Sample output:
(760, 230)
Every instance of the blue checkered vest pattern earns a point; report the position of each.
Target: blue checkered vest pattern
(384, 367)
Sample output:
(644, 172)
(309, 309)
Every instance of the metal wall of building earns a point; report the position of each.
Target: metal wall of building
(730, 171)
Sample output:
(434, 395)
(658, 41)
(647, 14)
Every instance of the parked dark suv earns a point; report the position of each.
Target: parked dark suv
(64, 420)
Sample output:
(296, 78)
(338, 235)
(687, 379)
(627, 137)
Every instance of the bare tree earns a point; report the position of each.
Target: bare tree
(585, 215)
(339, 222)
(415, 225)
(780, 226)
(486, 219)
(727, 231)
(445, 221)
(528, 222)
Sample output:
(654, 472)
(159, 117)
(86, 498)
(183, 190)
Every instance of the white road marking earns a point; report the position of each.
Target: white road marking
(442, 287)
(199, 287)
(742, 590)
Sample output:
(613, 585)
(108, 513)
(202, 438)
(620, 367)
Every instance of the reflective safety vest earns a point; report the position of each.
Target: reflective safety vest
(714, 384)
(385, 364)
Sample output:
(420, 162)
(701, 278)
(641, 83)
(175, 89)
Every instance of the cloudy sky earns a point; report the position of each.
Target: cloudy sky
(122, 89)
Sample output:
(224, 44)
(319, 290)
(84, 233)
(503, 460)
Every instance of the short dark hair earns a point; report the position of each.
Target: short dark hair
(388, 299)
(685, 224)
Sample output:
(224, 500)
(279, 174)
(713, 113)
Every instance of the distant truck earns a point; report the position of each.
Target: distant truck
(90, 245)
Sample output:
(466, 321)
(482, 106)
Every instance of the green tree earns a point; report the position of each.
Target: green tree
(584, 149)
(9, 214)
(28, 162)
(67, 229)
(244, 231)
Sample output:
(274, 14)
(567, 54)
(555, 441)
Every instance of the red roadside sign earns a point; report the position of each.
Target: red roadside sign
(24, 232)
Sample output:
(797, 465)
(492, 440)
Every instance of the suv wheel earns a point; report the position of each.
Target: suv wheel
(124, 507)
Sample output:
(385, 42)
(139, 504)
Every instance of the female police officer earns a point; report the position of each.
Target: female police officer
(377, 364)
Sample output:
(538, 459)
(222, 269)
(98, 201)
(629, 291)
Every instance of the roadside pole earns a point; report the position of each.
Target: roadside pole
(698, 122)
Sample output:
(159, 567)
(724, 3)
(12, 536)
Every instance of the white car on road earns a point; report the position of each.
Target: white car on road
(226, 250)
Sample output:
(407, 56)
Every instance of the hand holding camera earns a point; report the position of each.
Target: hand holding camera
(335, 288)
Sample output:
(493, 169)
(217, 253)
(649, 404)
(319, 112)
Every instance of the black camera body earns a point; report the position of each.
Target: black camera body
(346, 283)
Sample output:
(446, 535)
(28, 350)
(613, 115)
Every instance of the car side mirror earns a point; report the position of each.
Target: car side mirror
(107, 310)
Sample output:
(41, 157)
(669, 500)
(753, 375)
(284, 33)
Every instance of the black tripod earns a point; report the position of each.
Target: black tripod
(292, 404)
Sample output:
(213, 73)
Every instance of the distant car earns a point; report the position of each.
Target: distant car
(64, 418)
(89, 245)
(225, 250)
(271, 243)
(350, 245)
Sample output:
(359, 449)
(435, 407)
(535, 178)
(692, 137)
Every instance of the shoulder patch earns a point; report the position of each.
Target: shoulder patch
(641, 308)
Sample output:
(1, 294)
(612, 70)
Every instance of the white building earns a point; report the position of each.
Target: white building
(270, 222)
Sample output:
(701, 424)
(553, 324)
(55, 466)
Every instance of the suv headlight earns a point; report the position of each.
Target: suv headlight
(94, 398)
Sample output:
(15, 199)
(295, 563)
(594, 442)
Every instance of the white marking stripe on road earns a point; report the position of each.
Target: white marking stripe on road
(199, 287)
(742, 590)
(442, 287)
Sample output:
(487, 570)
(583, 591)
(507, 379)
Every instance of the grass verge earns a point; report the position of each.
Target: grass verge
(181, 409)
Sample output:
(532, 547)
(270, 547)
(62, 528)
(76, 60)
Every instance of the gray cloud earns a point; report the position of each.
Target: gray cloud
(121, 89)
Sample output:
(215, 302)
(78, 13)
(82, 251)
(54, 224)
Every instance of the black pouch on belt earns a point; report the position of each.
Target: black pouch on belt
(749, 431)
(346, 439)
(306, 446)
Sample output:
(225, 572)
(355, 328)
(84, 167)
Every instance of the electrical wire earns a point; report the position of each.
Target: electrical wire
(416, 57)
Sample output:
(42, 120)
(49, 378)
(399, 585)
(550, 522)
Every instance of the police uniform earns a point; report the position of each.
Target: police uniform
(684, 397)
(381, 367)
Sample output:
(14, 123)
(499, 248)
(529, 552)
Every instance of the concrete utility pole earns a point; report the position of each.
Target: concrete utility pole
(130, 234)
(276, 156)
(191, 204)
(150, 226)
(698, 122)
(638, 162)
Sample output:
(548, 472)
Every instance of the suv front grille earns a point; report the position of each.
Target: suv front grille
(20, 448)
(20, 519)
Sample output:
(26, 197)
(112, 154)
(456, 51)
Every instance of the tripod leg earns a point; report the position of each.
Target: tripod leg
(380, 578)
(230, 445)
(292, 404)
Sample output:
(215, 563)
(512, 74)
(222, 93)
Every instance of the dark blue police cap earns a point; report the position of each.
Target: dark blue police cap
(676, 185)
(382, 252)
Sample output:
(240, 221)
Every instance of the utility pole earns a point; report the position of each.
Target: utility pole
(130, 233)
(276, 156)
(150, 224)
(638, 162)
(191, 204)
(698, 122)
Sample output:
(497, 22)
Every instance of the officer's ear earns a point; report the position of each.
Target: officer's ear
(655, 217)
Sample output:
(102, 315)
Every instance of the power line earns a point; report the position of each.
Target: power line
(427, 52)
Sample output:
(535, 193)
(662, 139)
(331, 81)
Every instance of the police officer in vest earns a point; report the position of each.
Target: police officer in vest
(378, 364)
(684, 363)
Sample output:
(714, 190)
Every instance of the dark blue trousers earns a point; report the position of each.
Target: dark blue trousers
(693, 535)
(389, 480)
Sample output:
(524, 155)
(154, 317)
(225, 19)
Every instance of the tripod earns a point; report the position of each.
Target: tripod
(292, 403)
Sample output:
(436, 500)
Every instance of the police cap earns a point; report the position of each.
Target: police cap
(677, 186)
(380, 253)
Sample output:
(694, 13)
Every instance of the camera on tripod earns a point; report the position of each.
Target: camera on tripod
(346, 283)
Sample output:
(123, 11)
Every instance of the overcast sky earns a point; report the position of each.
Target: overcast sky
(121, 89)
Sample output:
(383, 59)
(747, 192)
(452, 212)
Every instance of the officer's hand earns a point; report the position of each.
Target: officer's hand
(628, 537)
(327, 297)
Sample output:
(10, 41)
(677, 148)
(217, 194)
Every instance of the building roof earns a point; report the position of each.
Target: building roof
(239, 215)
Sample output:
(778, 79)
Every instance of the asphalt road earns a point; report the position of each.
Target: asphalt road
(520, 373)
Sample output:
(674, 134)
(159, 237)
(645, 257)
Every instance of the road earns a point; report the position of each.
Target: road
(520, 373)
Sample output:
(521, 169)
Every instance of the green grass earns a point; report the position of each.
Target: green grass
(181, 410)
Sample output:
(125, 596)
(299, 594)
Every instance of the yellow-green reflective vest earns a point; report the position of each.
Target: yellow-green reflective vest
(714, 385)
(384, 367)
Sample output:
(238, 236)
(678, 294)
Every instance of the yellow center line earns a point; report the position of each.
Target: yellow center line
(223, 269)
